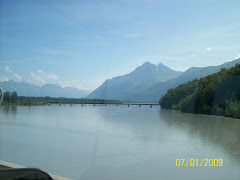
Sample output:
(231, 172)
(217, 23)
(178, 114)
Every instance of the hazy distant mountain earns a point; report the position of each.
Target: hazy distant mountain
(154, 93)
(53, 90)
(142, 78)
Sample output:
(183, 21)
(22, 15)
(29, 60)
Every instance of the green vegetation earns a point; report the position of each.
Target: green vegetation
(216, 94)
(14, 99)
(10, 98)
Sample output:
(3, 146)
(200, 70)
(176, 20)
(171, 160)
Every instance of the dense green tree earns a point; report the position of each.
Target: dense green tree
(217, 94)
(232, 109)
(14, 97)
(238, 95)
(173, 96)
(6, 97)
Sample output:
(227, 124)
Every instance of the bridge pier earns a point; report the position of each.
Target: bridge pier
(139, 105)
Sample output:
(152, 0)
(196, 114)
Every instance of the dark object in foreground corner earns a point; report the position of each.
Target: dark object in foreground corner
(23, 174)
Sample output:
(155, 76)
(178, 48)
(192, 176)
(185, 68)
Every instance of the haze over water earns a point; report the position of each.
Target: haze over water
(116, 143)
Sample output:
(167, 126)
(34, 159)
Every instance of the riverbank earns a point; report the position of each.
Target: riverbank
(14, 99)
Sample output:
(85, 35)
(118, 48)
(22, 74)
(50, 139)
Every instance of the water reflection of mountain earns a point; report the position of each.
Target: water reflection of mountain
(220, 131)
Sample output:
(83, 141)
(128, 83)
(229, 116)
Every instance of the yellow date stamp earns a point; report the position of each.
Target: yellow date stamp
(204, 162)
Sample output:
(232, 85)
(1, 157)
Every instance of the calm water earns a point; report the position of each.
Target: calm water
(118, 143)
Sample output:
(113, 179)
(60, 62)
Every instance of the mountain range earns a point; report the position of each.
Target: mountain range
(53, 90)
(143, 77)
(149, 82)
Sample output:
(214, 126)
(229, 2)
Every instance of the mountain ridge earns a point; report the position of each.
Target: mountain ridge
(138, 80)
(154, 93)
(54, 90)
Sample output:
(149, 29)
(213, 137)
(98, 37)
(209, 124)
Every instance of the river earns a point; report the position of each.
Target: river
(119, 143)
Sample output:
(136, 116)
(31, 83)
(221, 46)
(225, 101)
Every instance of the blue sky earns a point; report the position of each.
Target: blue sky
(82, 43)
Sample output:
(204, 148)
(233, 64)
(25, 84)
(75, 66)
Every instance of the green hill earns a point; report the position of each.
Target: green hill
(216, 94)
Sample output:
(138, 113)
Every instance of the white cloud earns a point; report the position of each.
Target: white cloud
(46, 75)
(65, 83)
(52, 76)
(2, 79)
(39, 80)
(71, 83)
(89, 84)
(8, 70)
(10, 74)
(209, 49)
(41, 77)
(17, 76)
(40, 71)
(238, 56)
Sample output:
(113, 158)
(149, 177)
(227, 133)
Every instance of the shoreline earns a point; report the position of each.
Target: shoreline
(214, 115)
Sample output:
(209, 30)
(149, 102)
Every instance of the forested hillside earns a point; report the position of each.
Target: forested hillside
(216, 94)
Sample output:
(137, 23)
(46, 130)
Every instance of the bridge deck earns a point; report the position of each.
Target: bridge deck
(103, 103)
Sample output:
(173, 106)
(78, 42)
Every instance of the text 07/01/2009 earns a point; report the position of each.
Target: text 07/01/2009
(199, 163)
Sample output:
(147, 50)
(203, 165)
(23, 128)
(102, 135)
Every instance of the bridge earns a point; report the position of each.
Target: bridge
(105, 104)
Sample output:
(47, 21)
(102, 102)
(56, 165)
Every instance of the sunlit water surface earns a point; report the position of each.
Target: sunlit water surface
(118, 143)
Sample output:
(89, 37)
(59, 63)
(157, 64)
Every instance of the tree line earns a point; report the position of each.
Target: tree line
(13, 99)
(10, 97)
(216, 94)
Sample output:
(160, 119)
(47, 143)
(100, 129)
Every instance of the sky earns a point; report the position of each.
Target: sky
(82, 43)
